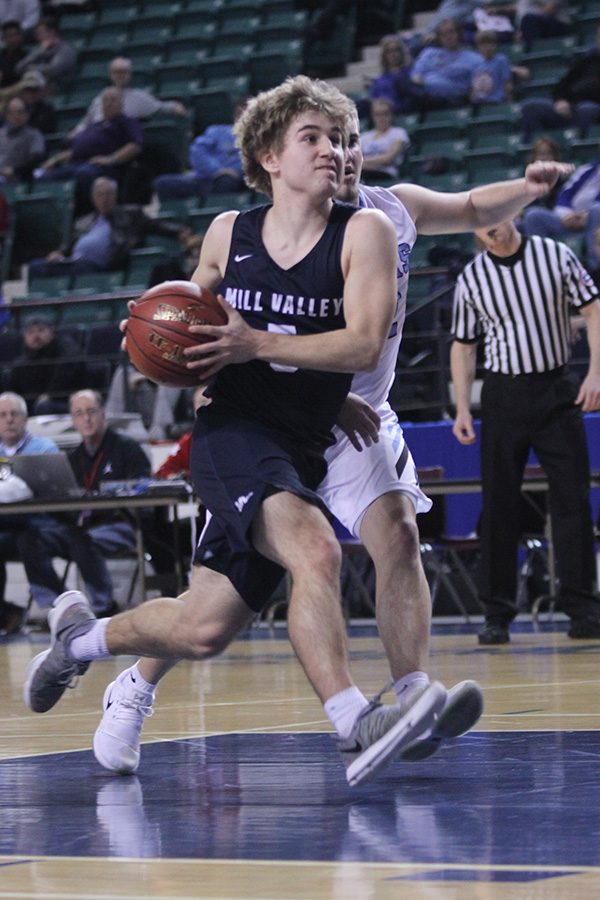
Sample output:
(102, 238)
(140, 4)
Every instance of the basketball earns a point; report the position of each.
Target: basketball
(157, 331)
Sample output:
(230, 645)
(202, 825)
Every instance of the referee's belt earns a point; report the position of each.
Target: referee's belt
(550, 373)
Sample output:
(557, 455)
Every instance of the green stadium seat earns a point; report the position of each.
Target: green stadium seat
(236, 85)
(109, 42)
(295, 21)
(228, 200)
(141, 263)
(234, 24)
(166, 142)
(99, 282)
(42, 220)
(199, 221)
(143, 31)
(198, 6)
(331, 56)
(74, 25)
(268, 68)
(91, 312)
(212, 105)
(19, 315)
(51, 286)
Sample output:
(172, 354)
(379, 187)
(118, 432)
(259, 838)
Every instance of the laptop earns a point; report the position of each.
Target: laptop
(48, 475)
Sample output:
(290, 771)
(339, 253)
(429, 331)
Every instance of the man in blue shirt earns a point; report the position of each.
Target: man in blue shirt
(215, 163)
(105, 237)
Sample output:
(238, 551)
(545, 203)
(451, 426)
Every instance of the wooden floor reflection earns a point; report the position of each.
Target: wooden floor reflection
(240, 793)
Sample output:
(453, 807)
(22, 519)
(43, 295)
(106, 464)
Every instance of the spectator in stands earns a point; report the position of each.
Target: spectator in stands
(105, 148)
(53, 57)
(215, 163)
(492, 80)
(542, 19)
(459, 11)
(103, 455)
(575, 98)
(383, 147)
(441, 75)
(42, 114)
(395, 62)
(577, 211)
(26, 13)
(48, 370)
(137, 103)
(16, 532)
(12, 52)
(21, 146)
(105, 237)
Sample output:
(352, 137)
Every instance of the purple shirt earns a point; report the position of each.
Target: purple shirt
(105, 137)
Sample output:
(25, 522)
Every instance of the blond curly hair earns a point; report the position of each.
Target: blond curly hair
(263, 124)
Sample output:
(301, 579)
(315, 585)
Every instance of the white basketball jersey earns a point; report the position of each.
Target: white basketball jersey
(375, 386)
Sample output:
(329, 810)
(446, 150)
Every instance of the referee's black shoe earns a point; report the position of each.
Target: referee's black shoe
(493, 634)
(586, 627)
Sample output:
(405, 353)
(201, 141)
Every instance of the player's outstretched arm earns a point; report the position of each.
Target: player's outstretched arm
(434, 212)
(369, 263)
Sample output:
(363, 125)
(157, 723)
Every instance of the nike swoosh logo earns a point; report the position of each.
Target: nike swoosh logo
(109, 702)
(132, 678)
(238, 258)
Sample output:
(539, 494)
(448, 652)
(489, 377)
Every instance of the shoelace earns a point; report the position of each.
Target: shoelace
(128, 708)
(375, 701)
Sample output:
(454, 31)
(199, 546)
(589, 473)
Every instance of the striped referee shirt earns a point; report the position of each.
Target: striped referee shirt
(520, 305)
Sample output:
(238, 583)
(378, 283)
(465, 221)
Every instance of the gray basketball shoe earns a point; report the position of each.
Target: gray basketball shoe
(463, 708)
(381, 732)
(50, 673)
(117, 738)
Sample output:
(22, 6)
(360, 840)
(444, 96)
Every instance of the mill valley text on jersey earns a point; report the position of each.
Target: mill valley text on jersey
(304, 299)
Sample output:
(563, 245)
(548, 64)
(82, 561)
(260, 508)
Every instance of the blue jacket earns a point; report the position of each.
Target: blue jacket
(214, 150)
(580, 191)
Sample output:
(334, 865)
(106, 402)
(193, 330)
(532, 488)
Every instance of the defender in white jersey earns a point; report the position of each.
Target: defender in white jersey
(372, 486)
(363, 488)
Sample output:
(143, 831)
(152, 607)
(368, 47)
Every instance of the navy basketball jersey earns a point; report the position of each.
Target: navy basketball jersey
(305, 299)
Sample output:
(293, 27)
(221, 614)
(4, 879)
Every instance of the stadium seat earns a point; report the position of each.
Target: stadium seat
(89, 312)
(268, 68)
(100, 282)
(43, 220)
(50, 286)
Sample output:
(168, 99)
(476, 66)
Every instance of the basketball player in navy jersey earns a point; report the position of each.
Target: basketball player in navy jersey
(375, 492)
(295, 276)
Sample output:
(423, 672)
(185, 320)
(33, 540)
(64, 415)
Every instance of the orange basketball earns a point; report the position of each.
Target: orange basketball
(158, 330)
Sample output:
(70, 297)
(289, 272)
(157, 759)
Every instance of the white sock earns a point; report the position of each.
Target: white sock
(343, 709)
(139, 681)
(92, 644)
(406, 687)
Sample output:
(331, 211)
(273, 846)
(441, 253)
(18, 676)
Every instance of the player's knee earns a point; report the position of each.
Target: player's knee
(202, 641)
(321, 558)
(404, 542)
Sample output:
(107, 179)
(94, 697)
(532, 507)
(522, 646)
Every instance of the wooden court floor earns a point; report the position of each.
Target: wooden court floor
(240, 793)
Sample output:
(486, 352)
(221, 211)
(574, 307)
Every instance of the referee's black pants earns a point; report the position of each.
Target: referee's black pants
(519, 413)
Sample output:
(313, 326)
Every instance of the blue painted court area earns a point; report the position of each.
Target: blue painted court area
(493, 799)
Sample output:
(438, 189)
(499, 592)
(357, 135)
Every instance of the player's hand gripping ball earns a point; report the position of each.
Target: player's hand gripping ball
(157, 330)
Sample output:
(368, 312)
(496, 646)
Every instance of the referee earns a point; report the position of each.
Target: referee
(516, 296)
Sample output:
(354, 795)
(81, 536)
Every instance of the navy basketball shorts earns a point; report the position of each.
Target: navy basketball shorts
(236, 464)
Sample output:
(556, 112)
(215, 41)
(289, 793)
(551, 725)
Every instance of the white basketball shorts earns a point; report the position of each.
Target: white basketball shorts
(356, 479)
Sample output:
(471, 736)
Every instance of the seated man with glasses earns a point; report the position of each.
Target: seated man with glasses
(86, 538)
